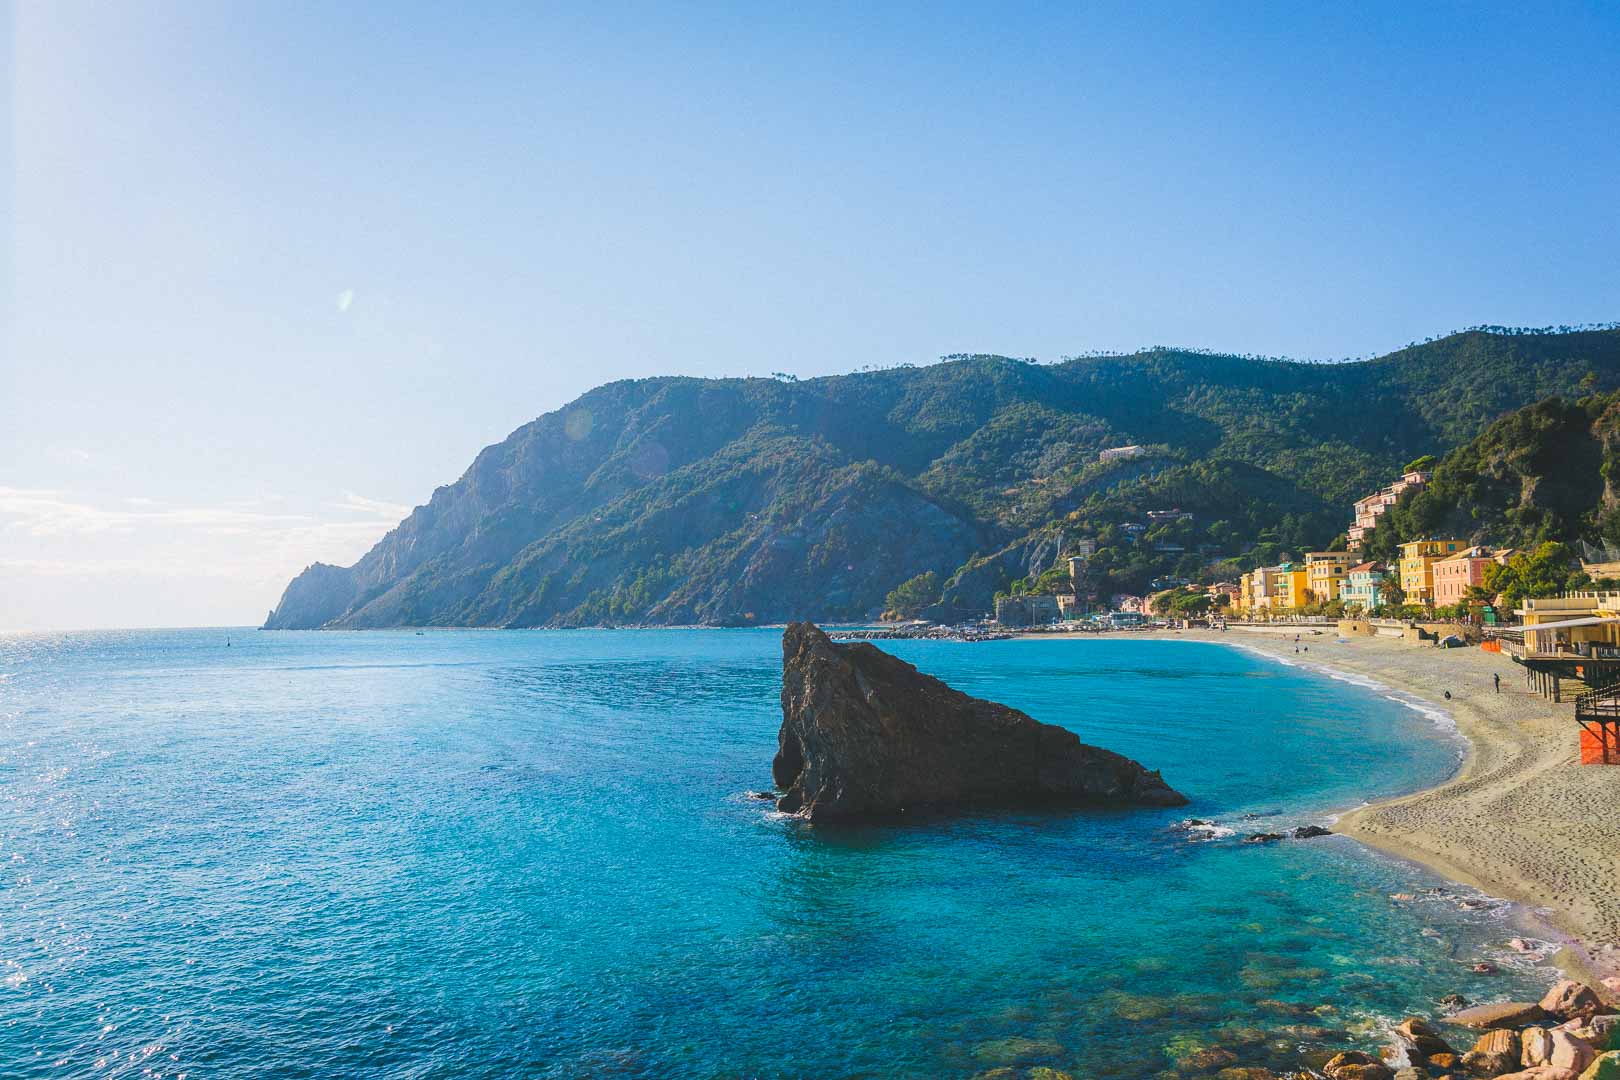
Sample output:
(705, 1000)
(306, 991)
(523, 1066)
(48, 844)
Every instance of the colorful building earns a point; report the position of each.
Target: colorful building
(1271, 589)
(1293, 586)
(1325, 572)
(1577, 622)
(1417, 567)
(1362, 585)
(1455, 575)
(1370, 509)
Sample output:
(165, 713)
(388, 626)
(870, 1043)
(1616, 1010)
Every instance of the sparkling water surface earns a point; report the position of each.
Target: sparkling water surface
(493, 854)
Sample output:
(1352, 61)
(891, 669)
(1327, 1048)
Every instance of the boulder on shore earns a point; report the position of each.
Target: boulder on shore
(866, 736)
(1570, 1000)
(1507, 1014)
(1604, 1067)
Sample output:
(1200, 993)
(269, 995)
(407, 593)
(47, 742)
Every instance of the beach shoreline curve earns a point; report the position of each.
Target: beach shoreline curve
(1519, 818)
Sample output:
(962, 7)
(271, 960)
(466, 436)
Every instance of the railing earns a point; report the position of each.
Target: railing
(1603, 702)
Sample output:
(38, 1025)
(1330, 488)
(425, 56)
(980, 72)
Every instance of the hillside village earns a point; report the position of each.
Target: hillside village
(1433, 578)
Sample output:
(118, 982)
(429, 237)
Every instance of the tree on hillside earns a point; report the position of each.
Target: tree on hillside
(1191, 605)
(912, 595)
(1549, 570)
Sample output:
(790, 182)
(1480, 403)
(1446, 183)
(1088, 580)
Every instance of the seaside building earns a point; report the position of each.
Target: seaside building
(1368, 510)
(1293, 586)
(1362, 584)
(1456, 574)
(1417, 567)
(1263, 587)
(1271, 588)
(1240, 595)
(1325, 572)
(1027, 610)
(1585, 623)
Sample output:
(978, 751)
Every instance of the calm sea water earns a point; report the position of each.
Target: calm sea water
(486, 854)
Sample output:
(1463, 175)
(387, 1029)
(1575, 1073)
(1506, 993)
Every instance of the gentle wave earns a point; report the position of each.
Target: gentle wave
(1442, 718)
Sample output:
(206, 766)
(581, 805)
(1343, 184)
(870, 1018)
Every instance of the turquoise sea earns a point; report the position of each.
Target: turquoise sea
(498, 854)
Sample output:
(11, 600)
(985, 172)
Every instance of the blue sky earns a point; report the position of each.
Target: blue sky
(281, 269)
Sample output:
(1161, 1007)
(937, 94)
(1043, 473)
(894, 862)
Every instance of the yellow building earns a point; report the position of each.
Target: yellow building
(1582, 623)
(1325, 573)
(1294, 586)
(1417, 567)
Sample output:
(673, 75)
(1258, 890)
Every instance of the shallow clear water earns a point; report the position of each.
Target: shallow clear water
(482, 854)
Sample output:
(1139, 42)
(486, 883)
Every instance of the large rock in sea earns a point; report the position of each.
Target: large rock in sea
(867, 736)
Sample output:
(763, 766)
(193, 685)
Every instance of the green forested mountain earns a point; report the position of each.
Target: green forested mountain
(1547, 472)
(679, 500)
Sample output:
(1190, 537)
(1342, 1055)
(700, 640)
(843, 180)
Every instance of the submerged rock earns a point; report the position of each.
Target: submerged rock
(1307, 832)
(866, 735)
(1016, 1050)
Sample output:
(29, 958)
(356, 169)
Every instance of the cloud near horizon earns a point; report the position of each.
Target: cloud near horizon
(230, 559)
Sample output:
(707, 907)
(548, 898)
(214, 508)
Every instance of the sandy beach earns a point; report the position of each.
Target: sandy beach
(1521, 819)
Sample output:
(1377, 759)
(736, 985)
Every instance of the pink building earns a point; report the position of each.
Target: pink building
(1454, 575)
(1370, 509)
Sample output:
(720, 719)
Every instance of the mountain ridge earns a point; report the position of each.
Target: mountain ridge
(737, 501)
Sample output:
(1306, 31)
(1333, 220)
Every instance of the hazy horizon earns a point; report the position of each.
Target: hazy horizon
(277, 273)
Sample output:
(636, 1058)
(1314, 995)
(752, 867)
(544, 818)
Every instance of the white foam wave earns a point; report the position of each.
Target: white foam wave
(1203, 831)
(1442, 719)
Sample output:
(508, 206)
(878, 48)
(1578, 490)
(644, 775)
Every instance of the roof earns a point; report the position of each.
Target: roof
(1589, 620)
(1366, 566)
(1476, 552)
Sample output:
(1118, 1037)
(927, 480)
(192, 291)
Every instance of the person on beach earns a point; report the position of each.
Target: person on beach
(1496, 678)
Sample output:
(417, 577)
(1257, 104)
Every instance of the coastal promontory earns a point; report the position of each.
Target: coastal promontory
(866, 735)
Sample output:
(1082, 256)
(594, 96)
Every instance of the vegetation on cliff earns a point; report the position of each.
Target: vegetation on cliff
(741, 501)
(1544, 473)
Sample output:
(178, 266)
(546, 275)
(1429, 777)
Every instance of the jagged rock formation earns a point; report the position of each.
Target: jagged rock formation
(865, 735)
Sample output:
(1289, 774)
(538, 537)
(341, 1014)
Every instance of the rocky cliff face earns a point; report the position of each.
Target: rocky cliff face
(748, 501)
(867, 736)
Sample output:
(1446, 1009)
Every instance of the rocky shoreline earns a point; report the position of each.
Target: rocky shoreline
(1571, 1033)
